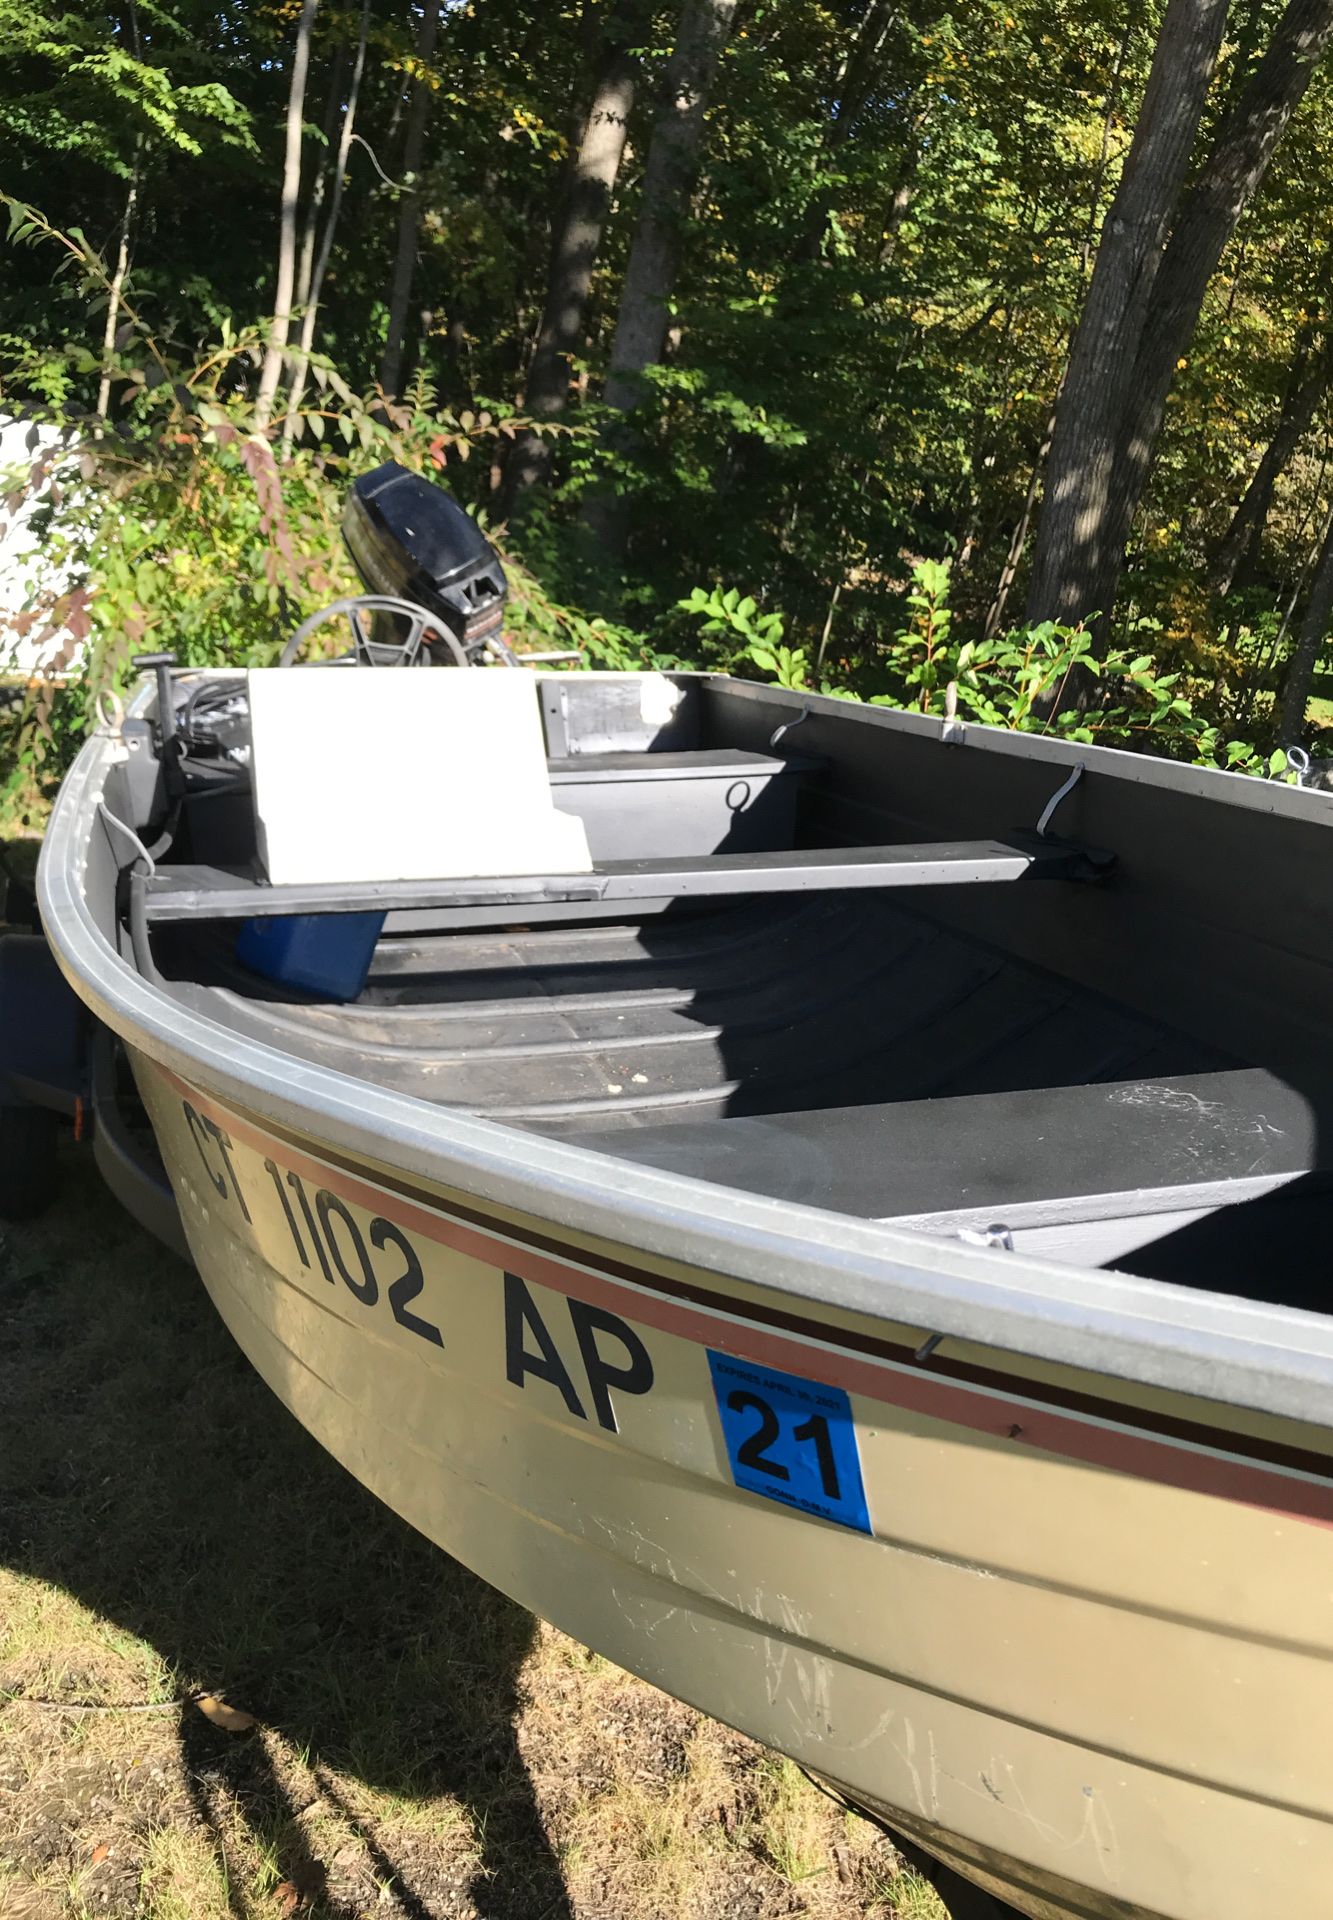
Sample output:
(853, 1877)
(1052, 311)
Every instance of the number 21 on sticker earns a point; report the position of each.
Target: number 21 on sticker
(790, 1439)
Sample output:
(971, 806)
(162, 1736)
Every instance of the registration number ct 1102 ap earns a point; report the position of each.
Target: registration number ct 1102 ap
(783, 1437)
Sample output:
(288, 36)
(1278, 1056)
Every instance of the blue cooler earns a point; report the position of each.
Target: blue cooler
(324, 953)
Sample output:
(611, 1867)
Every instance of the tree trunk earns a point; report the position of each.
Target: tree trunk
(409, 212)
(667, 182)
(903, 194)
(1314, 631)
(579, 235)
(650, 275)
(117, 288)
(305, 265)
(1227, 184)
(1072, 559)
(853, 88)
(291, 193)
(321, 265)
(123, 249)
(1018, 539)
(1251, 516)
(861, 69)
(1084, 554)
(1085, 252)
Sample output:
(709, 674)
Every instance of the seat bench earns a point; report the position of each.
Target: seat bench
(1059, 1165)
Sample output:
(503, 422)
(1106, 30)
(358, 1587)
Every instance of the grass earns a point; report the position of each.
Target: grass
(422, 1748)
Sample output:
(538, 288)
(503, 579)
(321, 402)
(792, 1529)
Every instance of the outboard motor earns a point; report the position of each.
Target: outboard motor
(410, 539)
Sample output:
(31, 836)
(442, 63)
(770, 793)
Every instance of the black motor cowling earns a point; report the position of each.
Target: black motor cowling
(409, 538)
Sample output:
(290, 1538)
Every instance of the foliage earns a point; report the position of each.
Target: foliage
(186, 533)
(737, 635)
(877, 281)
(184, 530)
(1024, 679)
(111, 98)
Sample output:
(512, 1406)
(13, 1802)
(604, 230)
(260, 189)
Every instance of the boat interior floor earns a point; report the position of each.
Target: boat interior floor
(842, 1050)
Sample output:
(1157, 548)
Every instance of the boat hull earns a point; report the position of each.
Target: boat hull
(1073, 1638)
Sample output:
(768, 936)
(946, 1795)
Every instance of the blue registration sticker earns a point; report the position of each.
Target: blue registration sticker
(790, 1439)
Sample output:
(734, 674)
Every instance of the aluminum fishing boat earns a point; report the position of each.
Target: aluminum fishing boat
(823, 1204)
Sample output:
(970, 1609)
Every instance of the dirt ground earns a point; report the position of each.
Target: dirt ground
(176, 1553)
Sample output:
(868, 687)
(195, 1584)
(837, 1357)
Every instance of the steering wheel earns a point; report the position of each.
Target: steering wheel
(379, 653)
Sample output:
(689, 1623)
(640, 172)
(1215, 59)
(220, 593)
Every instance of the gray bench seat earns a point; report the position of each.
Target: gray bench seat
(1085, 1172)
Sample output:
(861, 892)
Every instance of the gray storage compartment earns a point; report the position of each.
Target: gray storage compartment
(644, 806)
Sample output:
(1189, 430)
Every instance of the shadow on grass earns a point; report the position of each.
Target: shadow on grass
(149, 1473)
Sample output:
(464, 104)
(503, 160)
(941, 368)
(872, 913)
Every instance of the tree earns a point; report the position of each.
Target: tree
(1313, 632)
(578, 237)
(1074, 562)
(873, 252)
(1307, 387)
(106, 99)
(275, 353)
(320, 266)
(117, 288)
(853, 84)
(1225, 187)
(116, 293)
(650, 273)
(1081, 547)
(673, 154)
(409, 206)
